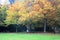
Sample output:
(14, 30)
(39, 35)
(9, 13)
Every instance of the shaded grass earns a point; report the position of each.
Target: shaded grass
(28, 36)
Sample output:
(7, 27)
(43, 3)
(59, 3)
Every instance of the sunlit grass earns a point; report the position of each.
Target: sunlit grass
(25, 36)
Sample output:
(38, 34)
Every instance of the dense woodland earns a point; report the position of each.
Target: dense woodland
(30, 16)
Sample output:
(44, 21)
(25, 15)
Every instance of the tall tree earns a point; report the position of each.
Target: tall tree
(2, 15)
(16, 14)
(56, 4)
(45, 8)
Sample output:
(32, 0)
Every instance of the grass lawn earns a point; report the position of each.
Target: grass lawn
(28, 36)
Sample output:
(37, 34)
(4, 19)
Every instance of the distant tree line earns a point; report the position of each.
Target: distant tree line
(30, 16)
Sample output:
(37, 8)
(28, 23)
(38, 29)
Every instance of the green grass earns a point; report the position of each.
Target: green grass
(25, 36)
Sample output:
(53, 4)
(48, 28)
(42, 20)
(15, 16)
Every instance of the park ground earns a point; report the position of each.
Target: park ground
(29, 36)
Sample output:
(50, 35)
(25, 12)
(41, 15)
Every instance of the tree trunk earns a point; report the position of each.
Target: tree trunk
(28, 28)
(55, 30)
(16, 29)
(45, 23)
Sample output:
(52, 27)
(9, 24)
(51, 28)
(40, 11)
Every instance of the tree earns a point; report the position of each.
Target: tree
(53, 19)
(2, 15)
(56, 4)
(16, 14)
(32, 12)
(44, 7)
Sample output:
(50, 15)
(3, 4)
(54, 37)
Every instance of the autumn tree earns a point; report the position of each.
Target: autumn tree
(42, 8)
(56, 5)
(16, 14)
(30, 12)
(2, 15)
